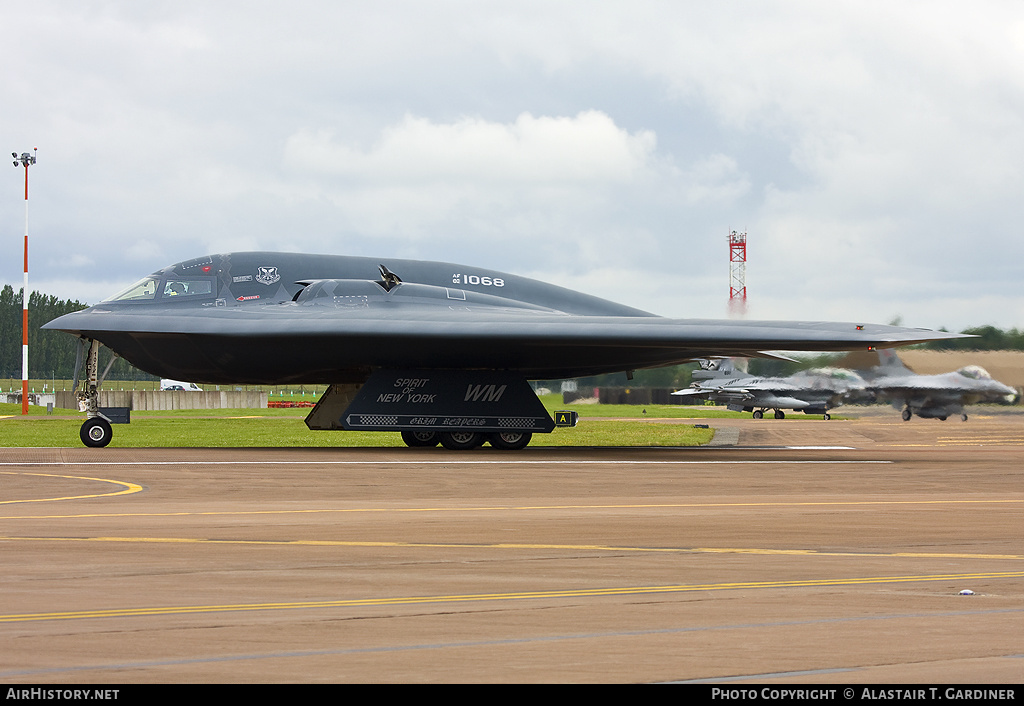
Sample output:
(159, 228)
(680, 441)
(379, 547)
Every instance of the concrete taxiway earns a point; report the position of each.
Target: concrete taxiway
(810, 551)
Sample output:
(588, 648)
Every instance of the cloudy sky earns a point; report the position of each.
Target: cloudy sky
(874, 152)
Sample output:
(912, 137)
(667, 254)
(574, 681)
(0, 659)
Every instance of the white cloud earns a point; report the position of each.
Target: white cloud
(582, 149)
(873, 152)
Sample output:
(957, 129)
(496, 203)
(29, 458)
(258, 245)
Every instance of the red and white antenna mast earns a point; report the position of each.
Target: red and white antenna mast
(25, 160)
(737, 273)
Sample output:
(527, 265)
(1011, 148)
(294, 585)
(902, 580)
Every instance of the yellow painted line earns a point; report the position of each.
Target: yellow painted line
(514, 508)
(127, 488)
(481, 597)
(510, 545)
(980, 435)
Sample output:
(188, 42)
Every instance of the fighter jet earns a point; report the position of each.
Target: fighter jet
(438, 351)
(933, 396)
(810, 391)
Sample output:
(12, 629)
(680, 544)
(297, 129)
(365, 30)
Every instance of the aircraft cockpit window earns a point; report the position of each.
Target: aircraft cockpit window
(188, 287)
(141, 290)
(975, 372)
(150, 288)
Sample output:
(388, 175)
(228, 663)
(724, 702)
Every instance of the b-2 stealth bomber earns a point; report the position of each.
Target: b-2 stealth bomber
(438, 351)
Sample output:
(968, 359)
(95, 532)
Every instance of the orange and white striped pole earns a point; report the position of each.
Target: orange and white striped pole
(25, 160)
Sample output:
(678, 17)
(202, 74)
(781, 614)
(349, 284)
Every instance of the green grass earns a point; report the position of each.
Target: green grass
(284, 427)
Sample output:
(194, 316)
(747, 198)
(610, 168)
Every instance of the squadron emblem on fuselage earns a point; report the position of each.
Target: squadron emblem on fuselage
(267, 275)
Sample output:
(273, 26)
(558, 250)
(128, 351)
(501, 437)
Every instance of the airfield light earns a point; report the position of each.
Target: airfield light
(25, 160)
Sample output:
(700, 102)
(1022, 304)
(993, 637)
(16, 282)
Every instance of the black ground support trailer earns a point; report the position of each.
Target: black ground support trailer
(460, 409)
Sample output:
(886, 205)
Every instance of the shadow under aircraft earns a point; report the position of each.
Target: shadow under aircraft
(437, 351)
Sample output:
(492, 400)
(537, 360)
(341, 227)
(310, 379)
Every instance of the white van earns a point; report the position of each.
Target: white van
(180, 386)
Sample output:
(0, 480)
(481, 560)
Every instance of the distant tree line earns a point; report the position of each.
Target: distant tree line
(51, 354)
(989, 338)
(675, 376)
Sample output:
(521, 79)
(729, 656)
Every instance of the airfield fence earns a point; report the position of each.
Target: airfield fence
(152, 400)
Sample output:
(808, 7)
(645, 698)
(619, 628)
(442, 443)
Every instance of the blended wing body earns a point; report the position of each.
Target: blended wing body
(435, 350)
(278, 317)
(933, 396)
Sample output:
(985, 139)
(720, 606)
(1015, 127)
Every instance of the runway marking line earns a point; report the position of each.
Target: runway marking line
(510, 545)
(127, 488)
(523, 595)
(512, 508)
(448, 462)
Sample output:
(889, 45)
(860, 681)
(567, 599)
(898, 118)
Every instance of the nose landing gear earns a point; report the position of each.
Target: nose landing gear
(95, 431)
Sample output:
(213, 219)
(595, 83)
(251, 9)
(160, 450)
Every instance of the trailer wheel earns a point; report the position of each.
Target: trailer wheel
(510, 440)
(420, 439)
(461, 440)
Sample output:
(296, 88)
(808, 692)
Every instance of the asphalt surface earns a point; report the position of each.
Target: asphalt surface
(809, 551)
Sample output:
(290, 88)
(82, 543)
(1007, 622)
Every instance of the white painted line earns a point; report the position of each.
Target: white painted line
(819, 448)
(483, 462)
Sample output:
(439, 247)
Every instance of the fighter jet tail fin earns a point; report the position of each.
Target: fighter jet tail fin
(716, 369)
(881, 361)
(890, 362)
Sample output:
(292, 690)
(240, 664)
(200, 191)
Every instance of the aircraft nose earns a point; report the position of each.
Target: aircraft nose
(68, 322)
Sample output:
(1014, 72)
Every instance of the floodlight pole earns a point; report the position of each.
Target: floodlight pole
(25, 160)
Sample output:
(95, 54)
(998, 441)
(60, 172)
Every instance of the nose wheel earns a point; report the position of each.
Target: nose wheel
(96, 432)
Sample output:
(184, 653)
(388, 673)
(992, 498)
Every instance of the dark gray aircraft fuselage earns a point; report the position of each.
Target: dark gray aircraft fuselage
(268, 318)
(437, 351)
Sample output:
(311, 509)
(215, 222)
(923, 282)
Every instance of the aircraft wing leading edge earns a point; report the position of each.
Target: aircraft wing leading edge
(284, 343)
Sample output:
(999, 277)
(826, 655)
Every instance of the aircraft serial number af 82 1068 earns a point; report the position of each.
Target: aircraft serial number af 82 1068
(360, 324)
(478, 279)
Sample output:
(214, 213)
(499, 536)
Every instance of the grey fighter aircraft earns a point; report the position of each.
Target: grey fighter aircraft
(933, 396)
(438, 351)
(809, 391)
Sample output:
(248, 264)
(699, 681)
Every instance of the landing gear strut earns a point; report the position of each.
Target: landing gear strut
(96, 431)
